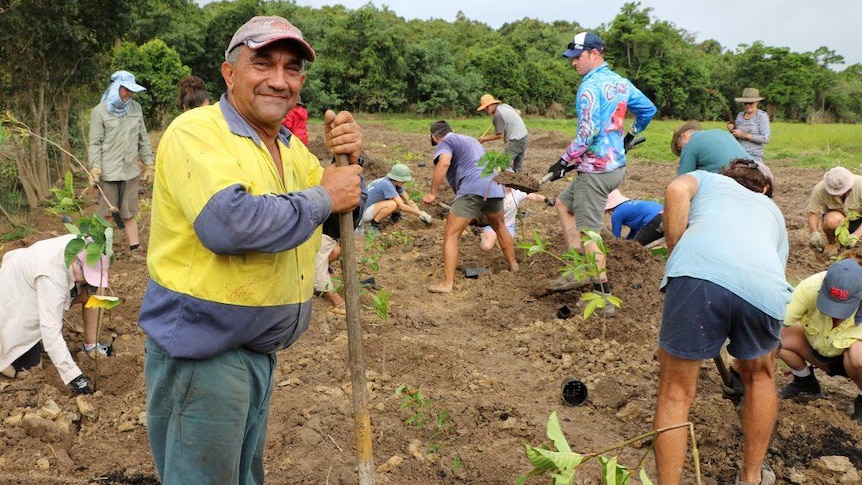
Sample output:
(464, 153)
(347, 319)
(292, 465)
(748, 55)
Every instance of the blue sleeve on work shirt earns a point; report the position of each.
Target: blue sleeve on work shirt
(236, 222)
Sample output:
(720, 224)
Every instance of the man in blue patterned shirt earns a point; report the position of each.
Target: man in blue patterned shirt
(597, 152)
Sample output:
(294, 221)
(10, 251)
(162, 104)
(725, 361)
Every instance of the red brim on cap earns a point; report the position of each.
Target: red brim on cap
(305, 46)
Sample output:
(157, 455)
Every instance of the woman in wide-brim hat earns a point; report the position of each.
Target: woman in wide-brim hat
(751, 126)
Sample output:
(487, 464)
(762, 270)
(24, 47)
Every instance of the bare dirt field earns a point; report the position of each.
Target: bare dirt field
(488, 358)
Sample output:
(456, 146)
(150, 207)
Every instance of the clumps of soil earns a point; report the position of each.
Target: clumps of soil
(120, 478)
(519, 181)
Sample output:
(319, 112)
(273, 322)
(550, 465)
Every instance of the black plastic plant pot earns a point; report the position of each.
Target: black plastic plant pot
(473, 272)
(564, 312)
(574, 392)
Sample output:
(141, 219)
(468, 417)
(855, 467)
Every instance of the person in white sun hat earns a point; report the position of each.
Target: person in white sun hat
(831, 201)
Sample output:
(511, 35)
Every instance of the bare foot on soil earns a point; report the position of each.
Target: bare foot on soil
(440, 288)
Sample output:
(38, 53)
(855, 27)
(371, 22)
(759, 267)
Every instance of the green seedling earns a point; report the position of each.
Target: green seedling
(578, 266)
(423, 411)
(380, 305)
(67, 202)
(842, 232)
(493, 163)
(562, 463)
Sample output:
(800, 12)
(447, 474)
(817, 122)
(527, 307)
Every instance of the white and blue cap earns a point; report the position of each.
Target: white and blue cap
(127, 80)
(584, 41)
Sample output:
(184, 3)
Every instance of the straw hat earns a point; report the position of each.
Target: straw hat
(615, 198)
(749, 95)
(688, 125)
(485, 101)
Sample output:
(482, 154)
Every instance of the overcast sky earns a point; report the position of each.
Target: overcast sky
(802, 26)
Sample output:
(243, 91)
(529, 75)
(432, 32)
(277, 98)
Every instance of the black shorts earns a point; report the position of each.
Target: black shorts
(29, 359)
(651, 231)
(835, 364)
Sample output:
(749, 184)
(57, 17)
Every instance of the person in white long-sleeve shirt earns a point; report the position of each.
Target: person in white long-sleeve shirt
(36, 288)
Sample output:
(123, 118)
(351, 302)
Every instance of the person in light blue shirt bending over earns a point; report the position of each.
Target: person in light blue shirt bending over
(727, 250)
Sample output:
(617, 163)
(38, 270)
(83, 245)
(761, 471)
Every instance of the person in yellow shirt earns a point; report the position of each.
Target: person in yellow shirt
(822, 330)
(237, 208)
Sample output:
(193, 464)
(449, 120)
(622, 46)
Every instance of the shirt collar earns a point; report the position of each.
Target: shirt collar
(239, 126)
(603, 65)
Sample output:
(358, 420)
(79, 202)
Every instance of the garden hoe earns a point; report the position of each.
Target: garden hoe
(356, 352)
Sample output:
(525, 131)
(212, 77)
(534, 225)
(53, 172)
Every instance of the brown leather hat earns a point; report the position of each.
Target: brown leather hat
(688, 125)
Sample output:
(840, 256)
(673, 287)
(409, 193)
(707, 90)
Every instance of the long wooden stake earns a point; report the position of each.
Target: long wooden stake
(361, 418)
(487, 129)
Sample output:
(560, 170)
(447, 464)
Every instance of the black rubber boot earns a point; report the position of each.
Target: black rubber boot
(807, 385)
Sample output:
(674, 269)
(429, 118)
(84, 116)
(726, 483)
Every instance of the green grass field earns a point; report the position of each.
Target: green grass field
(819, 145)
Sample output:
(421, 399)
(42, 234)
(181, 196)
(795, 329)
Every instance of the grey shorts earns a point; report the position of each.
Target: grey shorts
(516, 150)
(470, 206)
(123, 195)
(698, 317)
(587, 195)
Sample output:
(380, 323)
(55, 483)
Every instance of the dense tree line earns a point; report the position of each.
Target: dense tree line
(56, 57)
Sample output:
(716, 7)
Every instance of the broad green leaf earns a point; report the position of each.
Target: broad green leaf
(109, 242)
(644, 478)
(73, 229)
(565, 477)
(591, 307)
(613, 472)
(72, 249)
(555, 433)
(544, 460)
(102, 301)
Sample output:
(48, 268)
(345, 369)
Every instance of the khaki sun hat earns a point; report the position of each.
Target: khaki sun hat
(485, 101)
(837, 180)
(749, 95)
(400, 172)
(688, 125)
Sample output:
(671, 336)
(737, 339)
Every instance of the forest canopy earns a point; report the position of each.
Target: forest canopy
(56, 59)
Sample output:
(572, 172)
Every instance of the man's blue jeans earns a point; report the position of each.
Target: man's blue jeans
(207, 419)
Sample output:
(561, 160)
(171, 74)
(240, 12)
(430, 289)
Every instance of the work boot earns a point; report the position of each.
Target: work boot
(373, 227)
(801, 385)
(566, 282)
(767, 477)
(138, 255)
(100, 350)
(857, 409)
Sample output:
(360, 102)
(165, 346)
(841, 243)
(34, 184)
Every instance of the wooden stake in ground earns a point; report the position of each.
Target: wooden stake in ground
(356, 351)
(487, 129)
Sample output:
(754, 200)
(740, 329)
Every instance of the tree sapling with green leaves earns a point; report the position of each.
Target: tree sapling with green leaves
(579, 266)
